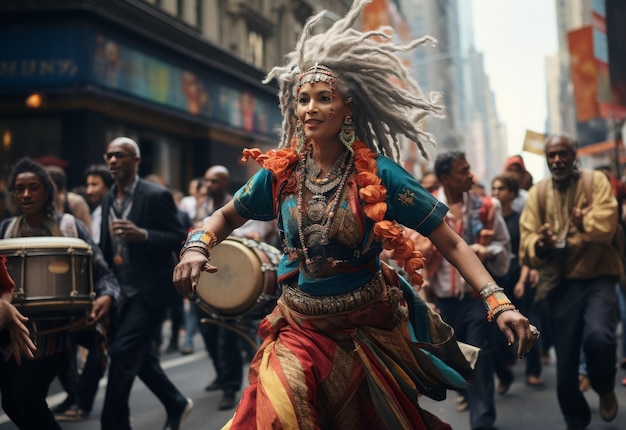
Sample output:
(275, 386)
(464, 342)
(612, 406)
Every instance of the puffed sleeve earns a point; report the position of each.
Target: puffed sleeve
(254, 199)
(408, 202)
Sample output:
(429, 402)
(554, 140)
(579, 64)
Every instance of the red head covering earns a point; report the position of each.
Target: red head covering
(515, 159)
(6, 282)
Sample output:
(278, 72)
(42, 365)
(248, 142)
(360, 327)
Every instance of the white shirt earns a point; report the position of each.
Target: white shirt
(96, 219)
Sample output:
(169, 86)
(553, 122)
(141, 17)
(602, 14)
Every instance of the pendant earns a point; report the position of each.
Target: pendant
(313, 235)
(118, 260)
(315, 208)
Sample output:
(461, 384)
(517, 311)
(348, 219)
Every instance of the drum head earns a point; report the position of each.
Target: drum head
(235, 287)
(28, 244)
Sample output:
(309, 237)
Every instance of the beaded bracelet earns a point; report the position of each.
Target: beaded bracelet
(201, 249)
(496, 302)
(205, 236)
(199, 240)
(489, 288)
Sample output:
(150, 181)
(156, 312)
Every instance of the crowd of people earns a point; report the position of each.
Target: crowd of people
(387, 287)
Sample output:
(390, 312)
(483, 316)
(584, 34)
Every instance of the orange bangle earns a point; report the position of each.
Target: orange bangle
(496, 303)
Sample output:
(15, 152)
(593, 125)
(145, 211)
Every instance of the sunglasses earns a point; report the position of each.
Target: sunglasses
(119, 155)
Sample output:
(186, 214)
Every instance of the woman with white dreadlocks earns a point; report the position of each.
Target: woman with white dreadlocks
(349, 344)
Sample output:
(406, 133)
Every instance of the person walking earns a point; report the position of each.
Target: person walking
(82, 388)
(67, 201)
(478, 220)
(222, 344)
(339, 350)
(24, 387)
(567, 229)
(139, 231)
(517, 283)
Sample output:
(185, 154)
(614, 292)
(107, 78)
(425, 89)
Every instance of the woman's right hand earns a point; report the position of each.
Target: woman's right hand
(21, 343)
(187, 272)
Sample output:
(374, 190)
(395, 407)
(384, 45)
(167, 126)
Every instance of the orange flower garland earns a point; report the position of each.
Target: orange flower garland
(373, 194)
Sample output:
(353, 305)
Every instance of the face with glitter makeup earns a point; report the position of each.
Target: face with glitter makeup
(321, 111)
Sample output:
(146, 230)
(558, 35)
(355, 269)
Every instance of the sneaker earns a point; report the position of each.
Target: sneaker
(73, 413)
(608, 406)
(186, 350)
(213, 386)
(177, 421)
(503, 388)
(228, 400)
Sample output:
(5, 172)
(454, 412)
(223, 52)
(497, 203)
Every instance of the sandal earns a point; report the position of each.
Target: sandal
(534, 381)
(73, 413)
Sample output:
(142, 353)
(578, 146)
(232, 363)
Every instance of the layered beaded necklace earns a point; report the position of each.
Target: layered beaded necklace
(318, 185)
(318, 210)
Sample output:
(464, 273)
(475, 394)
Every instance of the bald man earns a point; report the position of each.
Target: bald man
(139, 232)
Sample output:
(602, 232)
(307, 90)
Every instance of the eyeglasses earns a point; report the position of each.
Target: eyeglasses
(119, 155)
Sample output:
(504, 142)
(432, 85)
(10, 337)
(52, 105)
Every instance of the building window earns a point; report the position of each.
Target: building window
(256, 49)
(200, 15)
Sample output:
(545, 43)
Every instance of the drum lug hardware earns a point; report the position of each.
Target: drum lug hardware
(73, 293)
(266, 267)
(19, 295)
(92, 295)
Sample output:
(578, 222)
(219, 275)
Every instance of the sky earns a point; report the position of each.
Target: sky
(515, 37)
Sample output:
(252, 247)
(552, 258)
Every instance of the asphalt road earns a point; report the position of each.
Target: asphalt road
(521, 409)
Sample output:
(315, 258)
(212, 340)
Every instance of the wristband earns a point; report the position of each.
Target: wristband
(496, 301)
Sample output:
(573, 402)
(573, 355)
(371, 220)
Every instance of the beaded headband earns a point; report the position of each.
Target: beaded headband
(315, 74)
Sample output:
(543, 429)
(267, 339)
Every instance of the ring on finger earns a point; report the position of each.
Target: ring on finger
(534, 331)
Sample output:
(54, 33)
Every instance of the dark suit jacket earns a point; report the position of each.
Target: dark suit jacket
(152, 261)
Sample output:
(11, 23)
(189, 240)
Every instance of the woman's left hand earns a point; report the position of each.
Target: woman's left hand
(515, 326)
(100, 307)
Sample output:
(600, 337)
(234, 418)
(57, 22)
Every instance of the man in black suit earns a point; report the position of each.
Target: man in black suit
(139, 231)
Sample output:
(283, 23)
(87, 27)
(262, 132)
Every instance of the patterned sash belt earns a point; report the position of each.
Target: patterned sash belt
(306, 304)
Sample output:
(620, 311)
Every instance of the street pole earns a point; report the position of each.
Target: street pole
(618, 144)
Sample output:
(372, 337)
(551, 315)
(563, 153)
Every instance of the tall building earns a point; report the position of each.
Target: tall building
(598, 132)
(182, 77)
(456, 69)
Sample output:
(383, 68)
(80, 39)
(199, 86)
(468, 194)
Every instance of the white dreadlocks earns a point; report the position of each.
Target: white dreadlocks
(365, 64)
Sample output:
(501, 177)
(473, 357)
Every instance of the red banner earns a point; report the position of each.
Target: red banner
(585, 70)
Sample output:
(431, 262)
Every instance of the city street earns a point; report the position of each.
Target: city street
(521, 409)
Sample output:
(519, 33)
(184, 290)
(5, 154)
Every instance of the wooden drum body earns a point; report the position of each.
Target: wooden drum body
(245, 285)
(53, 275)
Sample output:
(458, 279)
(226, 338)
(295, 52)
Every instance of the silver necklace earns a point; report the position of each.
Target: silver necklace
(317, 232)
(320, 186)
